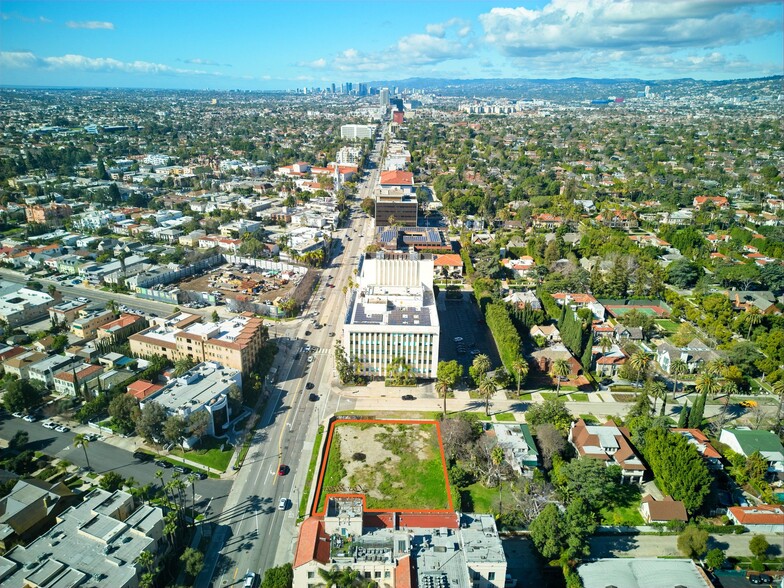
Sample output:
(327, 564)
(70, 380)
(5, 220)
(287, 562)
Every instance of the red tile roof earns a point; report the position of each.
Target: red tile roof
(397, 178)
(141, 389)
(448, 259)
(313, 543)
(764, 514)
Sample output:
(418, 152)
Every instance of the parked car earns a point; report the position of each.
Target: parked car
(18, 414)
(760, 579)
(409, 397)
(310, 359)
(313, 397)
(49, 425)
(310, 386)
(62, 429)
(163, 464)
(182, 469)
(29, 418)
(200, 475)
(284, 502)
(141, 456)
(250, 580)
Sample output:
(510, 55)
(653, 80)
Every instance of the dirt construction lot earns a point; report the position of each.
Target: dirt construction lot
(394, 465)
(232, 281)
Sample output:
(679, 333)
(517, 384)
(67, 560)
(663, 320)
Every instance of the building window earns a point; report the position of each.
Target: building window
(491, 576)
(311, 575)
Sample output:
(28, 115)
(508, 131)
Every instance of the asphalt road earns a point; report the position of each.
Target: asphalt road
(105, 458)
(258, 535)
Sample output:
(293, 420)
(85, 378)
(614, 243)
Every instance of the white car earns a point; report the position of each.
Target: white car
(284, 502)
(62, 429)
(29, 418)
(18, 414)
(310, 360)
(49, 425)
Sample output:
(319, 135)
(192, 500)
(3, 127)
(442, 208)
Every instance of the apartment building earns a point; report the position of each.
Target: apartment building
(66, 312)
(95, 543)
(52, 215)
(44, 371)
(400, 549)
(24, 306)
(356, 132)
(86, 326)
(234, 342)
(348, 155)
(392, 314)
(73, 381)
(121, 328)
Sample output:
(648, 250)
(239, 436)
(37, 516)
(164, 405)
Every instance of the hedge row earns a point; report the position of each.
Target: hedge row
(507, 339)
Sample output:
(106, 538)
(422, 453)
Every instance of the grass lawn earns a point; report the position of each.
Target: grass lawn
(401, 466)
(667, 325)
(624, 397)
(505, 417)
(478, 498)
(579, 397)
(549, 395)
(625, 507)
(208, 454)
(589, 419)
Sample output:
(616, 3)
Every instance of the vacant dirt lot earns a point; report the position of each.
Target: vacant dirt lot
(233, 282)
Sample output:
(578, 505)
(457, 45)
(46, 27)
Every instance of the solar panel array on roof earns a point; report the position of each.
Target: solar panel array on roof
(409, 316)
(366, 319)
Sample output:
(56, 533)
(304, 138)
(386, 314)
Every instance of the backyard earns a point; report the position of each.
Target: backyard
(395, 465)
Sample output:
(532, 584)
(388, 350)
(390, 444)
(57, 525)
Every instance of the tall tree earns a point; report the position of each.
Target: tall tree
(677, 368)
(639, 362)
(560, 369)
(81, 440)
(486, 390)
(520, 368)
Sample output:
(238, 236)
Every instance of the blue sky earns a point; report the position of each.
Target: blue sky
(285, 44)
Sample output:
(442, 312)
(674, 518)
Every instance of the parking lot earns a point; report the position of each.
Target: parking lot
(461, 319)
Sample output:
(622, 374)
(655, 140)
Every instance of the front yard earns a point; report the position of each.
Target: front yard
(212, 453)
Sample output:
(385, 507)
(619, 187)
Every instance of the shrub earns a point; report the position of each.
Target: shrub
(359, 456)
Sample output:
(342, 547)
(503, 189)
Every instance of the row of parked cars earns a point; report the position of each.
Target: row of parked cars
(162, 463)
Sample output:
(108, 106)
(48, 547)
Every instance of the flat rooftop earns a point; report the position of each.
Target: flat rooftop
(197, 387)
(394, 306)
(641, 573)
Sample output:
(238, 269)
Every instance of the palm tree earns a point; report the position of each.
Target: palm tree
(182, 365)
(717, 366)
(192, 480)
(639, 363)
(520, 367)
(442, 389)
(657, 389)
(113, 306)
(486, 390)
(146, 560)
(335, 577)
(80, 440)
(677, 368)
(707, 383)
(481, 365)
(606, 344)
(752, 317)
(560, 369)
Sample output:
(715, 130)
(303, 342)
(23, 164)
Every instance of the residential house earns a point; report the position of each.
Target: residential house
(142, 389)
(520, 268)
(448, 266)
(72, 381)
(546, 220)
(624, 220)
(580, 300)
(745, 442)
(524, 298)
(762, 300)
(622, 333)
(717, 201)
(700, 441)
(45, 370)
(519, 447)
(662, 511)
(19, 365)
(763, 518)
(549, 333)
(610, 444)
(545, 358)
(695, 355)
(608, 364)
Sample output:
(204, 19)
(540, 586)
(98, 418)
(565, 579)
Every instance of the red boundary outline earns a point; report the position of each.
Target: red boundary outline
(323, 470)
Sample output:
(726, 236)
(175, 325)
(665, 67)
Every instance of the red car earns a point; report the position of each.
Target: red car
(283, 470)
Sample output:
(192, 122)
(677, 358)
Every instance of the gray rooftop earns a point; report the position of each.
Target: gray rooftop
(641, 573)
(197, 387)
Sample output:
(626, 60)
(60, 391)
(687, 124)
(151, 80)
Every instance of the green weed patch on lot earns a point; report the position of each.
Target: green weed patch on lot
(395, 465)
(579, 397)
(625, 507)
(479, 498)
(505, 417)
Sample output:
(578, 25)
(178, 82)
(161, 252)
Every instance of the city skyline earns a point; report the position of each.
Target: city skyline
(284, 46)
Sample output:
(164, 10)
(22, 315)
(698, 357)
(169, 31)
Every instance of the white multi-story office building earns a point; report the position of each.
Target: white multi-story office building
(348, 155)
(392, 314)
(356, 132)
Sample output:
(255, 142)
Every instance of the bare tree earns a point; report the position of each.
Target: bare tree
(551, 442)
(757, 416)
(457, 435)
(531, 497)
(484, 458)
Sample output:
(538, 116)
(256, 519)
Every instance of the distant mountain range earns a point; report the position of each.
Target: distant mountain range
(583, 88)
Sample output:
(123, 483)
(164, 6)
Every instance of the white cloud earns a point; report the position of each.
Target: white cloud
(28, 60)
(598, 25)
(199, 61)
(439, 43)
(14, 16)
(90, 24)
